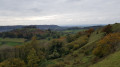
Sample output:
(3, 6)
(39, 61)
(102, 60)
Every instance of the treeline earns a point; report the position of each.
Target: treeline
(28, 33)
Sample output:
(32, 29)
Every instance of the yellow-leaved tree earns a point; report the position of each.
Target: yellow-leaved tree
(32, 58)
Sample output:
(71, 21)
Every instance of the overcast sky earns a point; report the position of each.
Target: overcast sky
(59, 12)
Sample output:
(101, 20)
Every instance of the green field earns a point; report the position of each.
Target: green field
(74, 31)
(12, 41)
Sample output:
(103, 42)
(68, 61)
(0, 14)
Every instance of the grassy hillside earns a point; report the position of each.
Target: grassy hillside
(111, 61)
(116, 27)
(83, 56)
(94, 37)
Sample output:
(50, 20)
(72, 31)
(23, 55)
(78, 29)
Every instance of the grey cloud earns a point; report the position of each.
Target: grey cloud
(67, 11)
(74, 0)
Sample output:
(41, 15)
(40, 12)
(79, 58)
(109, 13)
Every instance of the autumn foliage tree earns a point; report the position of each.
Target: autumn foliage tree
(70, 38)
(107, 29)
(33, 59)
(107, 45)
(89, 31)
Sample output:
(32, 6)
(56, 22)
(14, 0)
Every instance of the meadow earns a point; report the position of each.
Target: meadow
(12, 41)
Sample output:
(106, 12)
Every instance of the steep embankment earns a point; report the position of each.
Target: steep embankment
(111, 61)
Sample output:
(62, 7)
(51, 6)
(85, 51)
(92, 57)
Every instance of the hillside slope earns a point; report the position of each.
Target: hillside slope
(111, 61)
(83, 57)
(116, 27)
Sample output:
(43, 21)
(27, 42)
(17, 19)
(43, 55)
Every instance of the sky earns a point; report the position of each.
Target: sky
(59, 12)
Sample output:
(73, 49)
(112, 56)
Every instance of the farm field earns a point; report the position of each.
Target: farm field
(12, 41)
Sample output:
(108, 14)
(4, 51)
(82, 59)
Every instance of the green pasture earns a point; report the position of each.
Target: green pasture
(12, 41)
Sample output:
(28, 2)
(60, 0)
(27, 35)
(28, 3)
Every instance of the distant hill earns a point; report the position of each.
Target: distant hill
(45, 27)
(94, 27)
(9, 28)
(42, 27)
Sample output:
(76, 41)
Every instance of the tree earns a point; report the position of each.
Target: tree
(70, 38)
(89, 31)
(54, 55)
(14, 62)
(33, 59)
(34, 40)
(0, 34)
(107, 29)
(78, 34)
(55, 49)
